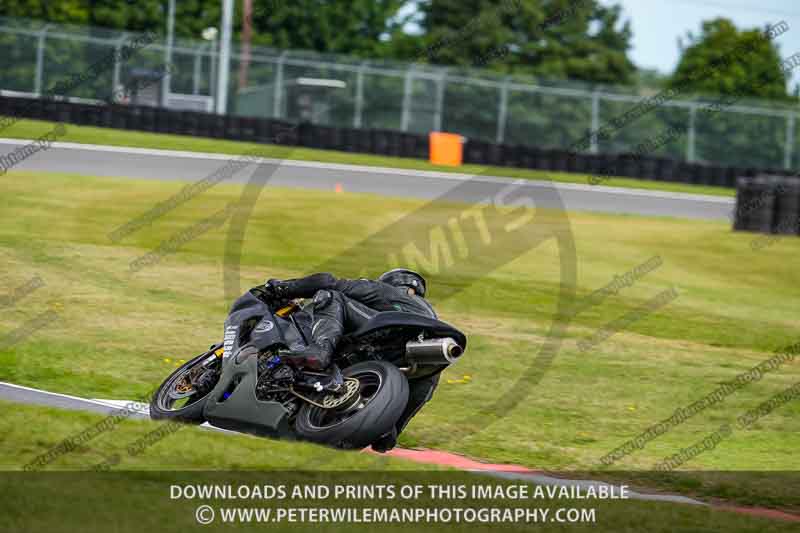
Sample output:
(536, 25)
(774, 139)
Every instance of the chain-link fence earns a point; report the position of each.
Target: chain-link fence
(344, 91)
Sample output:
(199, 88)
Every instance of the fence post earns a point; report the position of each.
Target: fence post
(789, 146)
(595, 120)
(37, 82)
(440, 86)
(502, 112)
(212, 72)
(359, 109)
(166, 80)
(115, 79)
(407, 87)
(223, 71)
(690, 141)
(196, 74)
(277, 92)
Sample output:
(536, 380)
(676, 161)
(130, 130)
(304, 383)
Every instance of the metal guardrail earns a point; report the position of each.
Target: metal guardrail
(364, 140)
(411, 97)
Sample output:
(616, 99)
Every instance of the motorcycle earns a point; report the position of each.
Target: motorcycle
(242, 383)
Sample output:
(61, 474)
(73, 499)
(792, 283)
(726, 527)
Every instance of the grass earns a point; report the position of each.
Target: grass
(119, 333)
(137, 494)
(32, 129)
(188, 448)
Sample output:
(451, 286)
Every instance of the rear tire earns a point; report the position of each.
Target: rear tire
(384, 391)
(191, 413)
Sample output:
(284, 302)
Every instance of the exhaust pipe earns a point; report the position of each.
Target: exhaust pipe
(433, 351)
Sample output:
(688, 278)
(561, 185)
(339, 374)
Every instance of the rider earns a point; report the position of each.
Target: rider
(343, 305)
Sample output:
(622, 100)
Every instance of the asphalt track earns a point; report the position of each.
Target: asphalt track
(135, 409)
(111, 161)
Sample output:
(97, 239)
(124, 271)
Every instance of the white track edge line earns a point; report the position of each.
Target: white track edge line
(452, 176)
(55, 394)
(542, 479)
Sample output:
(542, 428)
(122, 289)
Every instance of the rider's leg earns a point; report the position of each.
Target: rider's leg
(333, 313)
(328, 318)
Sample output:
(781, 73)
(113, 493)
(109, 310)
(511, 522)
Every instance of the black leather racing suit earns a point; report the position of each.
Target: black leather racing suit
(342, 305)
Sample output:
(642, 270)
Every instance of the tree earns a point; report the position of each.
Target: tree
(724, 61)
(135, 16)
(729, 66)
(575, 39)
(357, 27)
(66, 11)
(649, 80)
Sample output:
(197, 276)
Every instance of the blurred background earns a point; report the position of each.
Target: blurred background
(543, 73)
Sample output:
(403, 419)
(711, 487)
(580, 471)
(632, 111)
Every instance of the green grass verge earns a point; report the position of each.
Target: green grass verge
(136, 495)
(186, 448)
(32, 129)
(119, 333)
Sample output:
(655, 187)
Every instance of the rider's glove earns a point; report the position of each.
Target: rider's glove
(272, 292)
(276, 289)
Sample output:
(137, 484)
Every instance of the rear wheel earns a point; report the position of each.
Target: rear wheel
(381, 398)
(183, 394)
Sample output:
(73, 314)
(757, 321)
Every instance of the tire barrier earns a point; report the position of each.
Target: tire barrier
(787, 209)
(381, 142)
(768, 204)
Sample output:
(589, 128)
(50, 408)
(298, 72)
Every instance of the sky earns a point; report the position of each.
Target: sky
(658, 24)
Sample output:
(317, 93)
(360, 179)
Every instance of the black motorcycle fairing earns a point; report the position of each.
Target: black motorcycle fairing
(250, 328)
(233, 403)
(394, 319)
(246, 308)
(386, 334)
(251, 321)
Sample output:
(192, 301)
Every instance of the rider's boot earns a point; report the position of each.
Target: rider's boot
(331, 380)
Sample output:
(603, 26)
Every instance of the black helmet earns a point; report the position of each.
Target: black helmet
(402, 277)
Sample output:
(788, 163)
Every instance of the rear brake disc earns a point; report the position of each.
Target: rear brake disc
(331, 401)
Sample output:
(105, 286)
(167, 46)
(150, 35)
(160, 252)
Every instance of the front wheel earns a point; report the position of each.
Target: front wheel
(382, 397)
(184, 393)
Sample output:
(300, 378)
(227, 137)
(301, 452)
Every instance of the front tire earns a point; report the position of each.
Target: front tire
(384, 395)
(188, 407)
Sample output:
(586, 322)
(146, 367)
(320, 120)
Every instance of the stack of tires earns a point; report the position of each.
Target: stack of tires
(768, 204)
